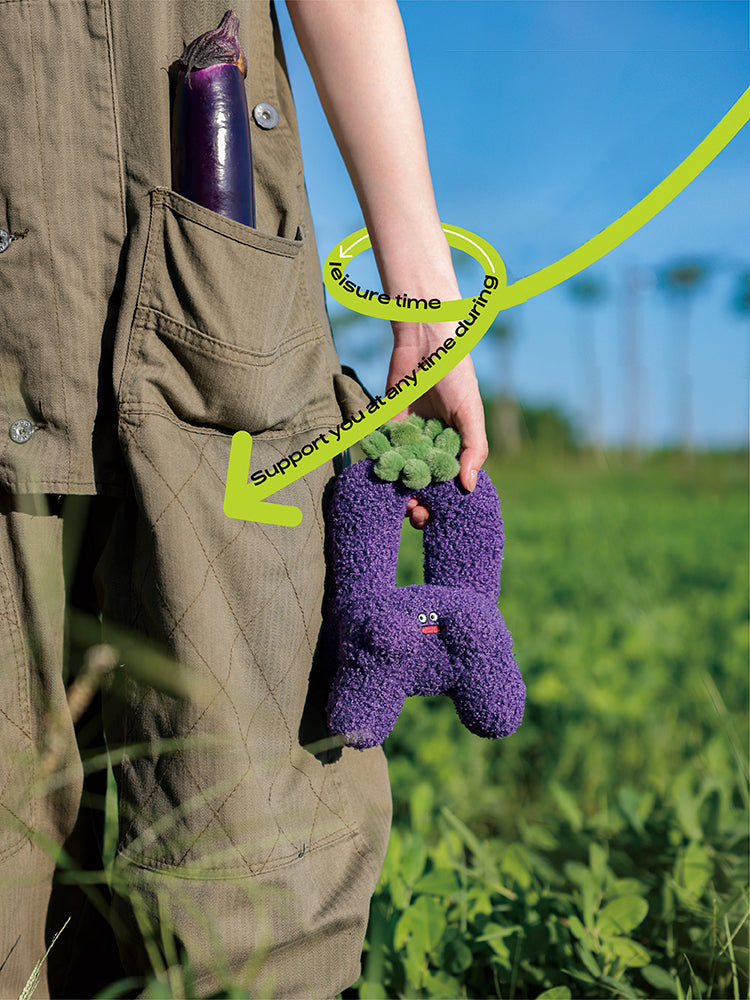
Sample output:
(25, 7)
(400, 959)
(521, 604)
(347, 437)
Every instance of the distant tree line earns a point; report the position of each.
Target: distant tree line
(513, 425)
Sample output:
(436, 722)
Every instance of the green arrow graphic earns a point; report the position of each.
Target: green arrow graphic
(246, 501)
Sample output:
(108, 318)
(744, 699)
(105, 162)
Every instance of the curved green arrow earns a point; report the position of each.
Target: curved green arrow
(462, 239)
(246, 501)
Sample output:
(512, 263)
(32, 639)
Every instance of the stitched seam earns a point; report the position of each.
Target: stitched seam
(24, 704)
(283, 862)
(135, 333)
(115, 111)
(216, 812)
(221, 226)
(15, 724)
(205, 662)
(204, 343)
(49, 237)
(22, 842)
(18, 748)
(313, 422)
(270, 689)
(27, 828)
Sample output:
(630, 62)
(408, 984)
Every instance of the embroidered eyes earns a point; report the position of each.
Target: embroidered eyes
(428, 621)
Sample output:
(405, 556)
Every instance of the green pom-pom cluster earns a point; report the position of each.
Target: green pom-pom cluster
(415, 450)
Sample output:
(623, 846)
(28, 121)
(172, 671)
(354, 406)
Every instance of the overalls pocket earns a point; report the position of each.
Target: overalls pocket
(223, 335)
(217, 335)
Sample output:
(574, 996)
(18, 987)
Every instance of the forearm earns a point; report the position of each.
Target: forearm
(359, 60)
(358, 57)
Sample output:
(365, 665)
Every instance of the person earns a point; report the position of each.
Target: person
(138, 331)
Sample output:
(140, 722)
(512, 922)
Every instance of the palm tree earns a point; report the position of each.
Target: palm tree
(741, 301)
(506, 425)
(741, 304)
(587, 292)
(681, 281)
(637, 280)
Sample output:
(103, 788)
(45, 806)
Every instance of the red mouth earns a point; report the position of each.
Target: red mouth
(430, 628)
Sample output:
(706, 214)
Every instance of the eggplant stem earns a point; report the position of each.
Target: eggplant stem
(221, 45)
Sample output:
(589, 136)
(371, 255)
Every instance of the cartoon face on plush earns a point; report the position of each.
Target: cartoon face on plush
(428, 622)
(445, 636)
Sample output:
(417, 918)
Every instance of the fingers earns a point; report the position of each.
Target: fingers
(455, 399)
(474, 452)
(418, 514)
(468, 419)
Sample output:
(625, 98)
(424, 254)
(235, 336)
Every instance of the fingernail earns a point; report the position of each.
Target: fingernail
(472, 479)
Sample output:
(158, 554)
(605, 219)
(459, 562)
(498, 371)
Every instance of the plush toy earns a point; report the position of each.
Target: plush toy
(445, 636)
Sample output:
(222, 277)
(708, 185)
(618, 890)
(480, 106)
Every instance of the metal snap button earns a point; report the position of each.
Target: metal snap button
(266, 115)
(21, 430)
(4, 240)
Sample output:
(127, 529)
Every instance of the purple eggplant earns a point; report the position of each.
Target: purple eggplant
(212, 162)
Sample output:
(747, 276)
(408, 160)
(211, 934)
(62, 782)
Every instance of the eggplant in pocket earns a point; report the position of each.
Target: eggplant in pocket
(212, 162)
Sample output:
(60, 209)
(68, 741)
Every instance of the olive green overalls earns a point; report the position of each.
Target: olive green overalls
(138, 331)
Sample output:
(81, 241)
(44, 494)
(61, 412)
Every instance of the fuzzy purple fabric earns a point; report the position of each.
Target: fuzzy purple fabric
(445, 636)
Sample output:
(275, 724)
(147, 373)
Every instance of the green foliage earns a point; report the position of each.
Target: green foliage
(602, 850)
(543, 429)
(605, 909)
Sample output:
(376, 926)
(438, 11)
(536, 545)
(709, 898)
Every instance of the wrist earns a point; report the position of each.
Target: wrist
(413, 257)
(424, 336)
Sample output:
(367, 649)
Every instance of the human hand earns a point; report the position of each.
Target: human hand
(454, 399)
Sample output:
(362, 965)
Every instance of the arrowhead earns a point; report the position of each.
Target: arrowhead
(245, 502)
(344, 254)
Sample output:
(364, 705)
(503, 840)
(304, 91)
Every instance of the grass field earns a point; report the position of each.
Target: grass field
(601, 850)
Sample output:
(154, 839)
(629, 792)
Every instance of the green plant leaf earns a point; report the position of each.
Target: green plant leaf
(598, 862)
(441, 985)
(661, 979)
(495, 936)
(622, 915)
(516, 864)
(556, 993)
(372, 991)
(400, 892)
(687, 806)
(415, 967)
(413, 859)
(630, 953)
(439, 882)
(422, 925)
(694, 869)
(627, 887)
(567, 805)
(457, 957)
(577, 928)
(636, 807)
(588, 960)
(421, 805)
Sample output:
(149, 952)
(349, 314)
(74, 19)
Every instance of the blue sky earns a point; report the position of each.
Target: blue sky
(545, 121)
